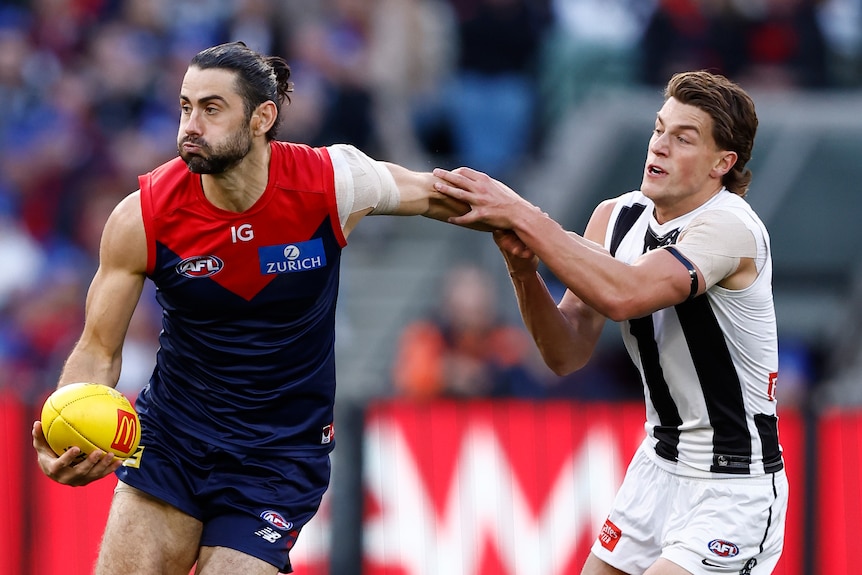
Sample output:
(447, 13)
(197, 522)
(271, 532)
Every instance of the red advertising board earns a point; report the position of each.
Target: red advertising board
(53, 529)
(792, 437)
(472, 488)
(838, 530)
(14, 440)
(505, 488)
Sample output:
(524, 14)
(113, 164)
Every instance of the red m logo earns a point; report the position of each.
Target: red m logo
(127, 430)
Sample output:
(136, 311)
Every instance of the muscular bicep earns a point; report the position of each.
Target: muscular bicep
(112, 297)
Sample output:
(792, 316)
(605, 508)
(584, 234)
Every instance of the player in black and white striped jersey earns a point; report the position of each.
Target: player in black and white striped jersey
(684, 264)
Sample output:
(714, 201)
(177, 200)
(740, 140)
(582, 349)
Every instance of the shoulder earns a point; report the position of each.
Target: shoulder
(126, 215)
(124, 239)
(718, 218)
(303, 165)
(632, 198)
(293, 152)
(288, 157)
(170, 172)
(164, 185)
(611, 206)
(609, 211)
(631, 205)
(732, 213)
(348, 157)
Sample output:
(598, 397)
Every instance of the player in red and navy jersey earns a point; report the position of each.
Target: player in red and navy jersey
(242, 236)
(685, 266)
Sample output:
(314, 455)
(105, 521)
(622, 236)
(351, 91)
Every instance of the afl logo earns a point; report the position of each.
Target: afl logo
(723, 548)
(199, 266)
(276, 520)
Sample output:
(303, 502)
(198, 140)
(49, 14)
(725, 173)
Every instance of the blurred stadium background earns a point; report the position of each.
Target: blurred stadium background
(555, 97)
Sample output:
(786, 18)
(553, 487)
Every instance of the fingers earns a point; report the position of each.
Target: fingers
(449, 190)
(462, 175)
(68, 468)
(96, 465)
(516, 252)
(491, 203)
(465, 220)
(39, 441)
(510, 242)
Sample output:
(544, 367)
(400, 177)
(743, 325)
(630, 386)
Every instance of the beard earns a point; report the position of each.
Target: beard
(216, 159)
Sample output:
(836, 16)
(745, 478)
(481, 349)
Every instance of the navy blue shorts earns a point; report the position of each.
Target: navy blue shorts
(252, 503)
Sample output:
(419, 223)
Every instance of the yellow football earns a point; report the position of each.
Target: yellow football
(90, 416)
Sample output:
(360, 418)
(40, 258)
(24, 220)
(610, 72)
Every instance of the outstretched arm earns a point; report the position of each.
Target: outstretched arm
(418, 196)
(96, 357)
(613, 288)
(364, 186)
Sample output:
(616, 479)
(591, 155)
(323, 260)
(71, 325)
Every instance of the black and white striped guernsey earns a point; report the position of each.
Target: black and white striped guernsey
(710, 364)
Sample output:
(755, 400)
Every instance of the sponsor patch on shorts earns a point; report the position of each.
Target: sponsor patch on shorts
(609, 535)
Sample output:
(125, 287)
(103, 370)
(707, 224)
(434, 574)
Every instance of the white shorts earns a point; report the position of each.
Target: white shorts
(706, 526)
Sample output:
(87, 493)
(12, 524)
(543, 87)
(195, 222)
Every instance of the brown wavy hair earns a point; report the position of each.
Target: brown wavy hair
(734, 120)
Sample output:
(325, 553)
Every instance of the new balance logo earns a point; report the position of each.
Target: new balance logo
(269, 534)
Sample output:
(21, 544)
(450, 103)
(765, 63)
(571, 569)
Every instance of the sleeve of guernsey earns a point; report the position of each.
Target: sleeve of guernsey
(361, 183)
(715, 241)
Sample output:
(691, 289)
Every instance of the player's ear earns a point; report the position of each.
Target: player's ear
(263, 118)
(724, 164)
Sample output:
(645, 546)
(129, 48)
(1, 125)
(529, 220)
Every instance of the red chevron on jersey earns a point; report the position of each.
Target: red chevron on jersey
(227, 247)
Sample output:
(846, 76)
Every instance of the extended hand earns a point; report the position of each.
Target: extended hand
(491, 202)
(63, 469)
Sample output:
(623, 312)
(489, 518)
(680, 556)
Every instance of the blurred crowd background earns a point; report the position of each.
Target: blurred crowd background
(88, 101)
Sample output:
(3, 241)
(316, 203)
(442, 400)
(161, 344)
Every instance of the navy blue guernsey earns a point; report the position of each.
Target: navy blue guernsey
(246, 358)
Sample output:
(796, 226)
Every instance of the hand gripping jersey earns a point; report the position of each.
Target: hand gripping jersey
(709, 365)
(246, 356)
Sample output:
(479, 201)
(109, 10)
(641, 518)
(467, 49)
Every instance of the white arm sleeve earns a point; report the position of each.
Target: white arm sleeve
(715, 241)
(361, 183)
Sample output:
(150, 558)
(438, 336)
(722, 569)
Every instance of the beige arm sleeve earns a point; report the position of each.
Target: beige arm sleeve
(361, 183)
(715, 241)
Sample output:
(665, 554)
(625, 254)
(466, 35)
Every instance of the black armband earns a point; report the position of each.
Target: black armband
(689, 266)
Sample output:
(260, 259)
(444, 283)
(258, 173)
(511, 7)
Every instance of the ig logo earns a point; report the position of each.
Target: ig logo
(242, 233)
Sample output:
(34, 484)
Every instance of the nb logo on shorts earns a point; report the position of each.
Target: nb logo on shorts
(269, 534)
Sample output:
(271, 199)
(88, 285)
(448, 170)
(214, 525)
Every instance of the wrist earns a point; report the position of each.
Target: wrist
(522, 275)
(528, 221)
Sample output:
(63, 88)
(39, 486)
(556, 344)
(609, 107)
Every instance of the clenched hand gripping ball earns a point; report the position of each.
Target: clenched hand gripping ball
(90, 416)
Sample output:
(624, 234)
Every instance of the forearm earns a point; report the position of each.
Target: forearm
(418, 197)
(565, 346)
(444, 208)
(584, 267)
(87, 364)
